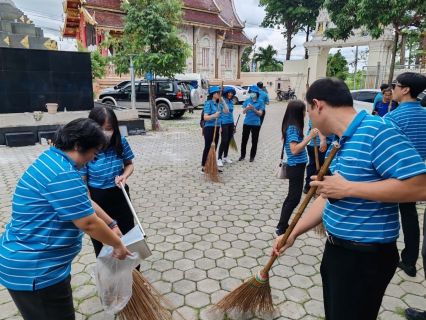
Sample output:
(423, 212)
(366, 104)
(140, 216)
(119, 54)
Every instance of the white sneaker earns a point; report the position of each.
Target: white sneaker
(219, 163)
(227, 160)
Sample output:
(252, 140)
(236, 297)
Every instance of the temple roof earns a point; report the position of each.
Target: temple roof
(107, 19)
(228, 13)
(237, 37)
(203, 18)
(111, 4)
(208, 5)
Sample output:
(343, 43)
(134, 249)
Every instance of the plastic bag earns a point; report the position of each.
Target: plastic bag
(114, 279)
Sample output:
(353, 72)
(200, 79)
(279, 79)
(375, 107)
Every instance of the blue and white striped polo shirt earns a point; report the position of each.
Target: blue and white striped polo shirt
(329, 138)
(410, 117)
(371, 149)
(292, 135)
(107, 165)
(41, 241)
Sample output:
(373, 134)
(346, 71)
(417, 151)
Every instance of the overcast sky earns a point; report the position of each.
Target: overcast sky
(48, 14)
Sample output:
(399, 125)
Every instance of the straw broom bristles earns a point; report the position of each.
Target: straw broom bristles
(255, 295)
(211, 170)
(233, 144)
(146, 302)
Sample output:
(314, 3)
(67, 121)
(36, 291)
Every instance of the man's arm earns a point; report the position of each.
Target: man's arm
(390, 190)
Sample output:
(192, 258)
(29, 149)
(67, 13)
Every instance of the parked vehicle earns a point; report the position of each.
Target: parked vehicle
(199, 93)
(171, 99)
(241, 94)
(119, 85)
(247, 87)
(286, 95)
(364, 98)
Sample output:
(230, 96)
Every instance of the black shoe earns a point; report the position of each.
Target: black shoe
(412, 314)
(241, 159)
(278, 233)
(409, 270)
(220, 171)
(251, 159)
(305, 190)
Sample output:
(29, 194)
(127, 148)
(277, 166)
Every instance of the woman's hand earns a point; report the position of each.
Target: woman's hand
(117, 231)
(217, 114)
(323, 146)
(120, 252)
(287, 244)
(121, 179)
(313, 133)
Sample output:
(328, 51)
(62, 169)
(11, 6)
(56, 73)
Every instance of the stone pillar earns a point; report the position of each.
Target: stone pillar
(83, 30)
(219, 44)
(97, 38)
(317, 62)
(104, 50)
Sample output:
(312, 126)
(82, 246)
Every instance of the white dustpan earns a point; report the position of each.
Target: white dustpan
(135, 239)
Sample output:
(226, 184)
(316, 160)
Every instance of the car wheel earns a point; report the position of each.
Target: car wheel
(179, 114)
(163, 111)
(235, 100)
(109, 102)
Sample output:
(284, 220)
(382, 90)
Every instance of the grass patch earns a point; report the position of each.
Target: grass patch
(400, 311)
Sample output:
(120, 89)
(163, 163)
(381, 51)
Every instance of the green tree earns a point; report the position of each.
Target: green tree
(245, 59)
(266, 59)
(374, 15)
(151, 37)
(337, 66)
(98, 62)
(294, 15)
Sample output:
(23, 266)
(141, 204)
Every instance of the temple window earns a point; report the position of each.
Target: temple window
(205, 57)
(228, 59)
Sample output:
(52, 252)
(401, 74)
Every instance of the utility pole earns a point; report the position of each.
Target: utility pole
(356, 66)
(132, 78)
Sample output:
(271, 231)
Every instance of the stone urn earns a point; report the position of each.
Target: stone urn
(52, 107)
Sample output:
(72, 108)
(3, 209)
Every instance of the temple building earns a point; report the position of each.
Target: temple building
(211, 27)
(18, 31)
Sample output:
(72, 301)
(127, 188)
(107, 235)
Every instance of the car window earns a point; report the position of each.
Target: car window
(355, 95)
(122, 84)
(127, 89)
(239, 88)
(367, 96)
(143, 88)
(165, 87)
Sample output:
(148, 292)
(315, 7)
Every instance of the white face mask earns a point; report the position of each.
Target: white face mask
(108, 134)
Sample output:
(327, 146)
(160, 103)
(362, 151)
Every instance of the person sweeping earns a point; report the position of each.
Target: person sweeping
(212, 110)
(227, 126)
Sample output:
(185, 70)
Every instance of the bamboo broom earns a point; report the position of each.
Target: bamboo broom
(319, 229)
(255, 295)
(233, 143)
(211, 170)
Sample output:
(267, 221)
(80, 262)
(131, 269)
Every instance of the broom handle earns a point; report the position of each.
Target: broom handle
(316, 153)
(218, 109)
(302, 207)
(131, 208)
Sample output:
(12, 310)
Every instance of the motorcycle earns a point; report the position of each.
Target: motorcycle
(286, 95)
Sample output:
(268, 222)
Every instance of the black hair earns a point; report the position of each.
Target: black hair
(331, 90)
(384, 86)
(210, 97)
(294, 116)
(101, 115)
(415, 81)
(260, 84)
(387, 90)
(83, 132)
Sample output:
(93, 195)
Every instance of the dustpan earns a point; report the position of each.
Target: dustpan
(135, 239)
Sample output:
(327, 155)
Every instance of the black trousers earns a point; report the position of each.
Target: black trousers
(225, 139)
(115, 205)
(51, 303)
(295, 187)
(354, 282)
(262, 117)
(411, 230)
(311, 167)
(254, 139)
(208, 139)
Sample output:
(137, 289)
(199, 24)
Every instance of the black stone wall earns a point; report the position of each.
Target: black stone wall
(31, 78)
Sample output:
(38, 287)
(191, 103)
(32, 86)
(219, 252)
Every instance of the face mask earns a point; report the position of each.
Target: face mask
(108, 134)
(253, 95)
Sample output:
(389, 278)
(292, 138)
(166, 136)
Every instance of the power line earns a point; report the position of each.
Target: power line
(41, 12)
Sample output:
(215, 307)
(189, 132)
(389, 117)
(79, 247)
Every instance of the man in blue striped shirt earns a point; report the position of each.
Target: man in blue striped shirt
(410, 117)
(360, 256)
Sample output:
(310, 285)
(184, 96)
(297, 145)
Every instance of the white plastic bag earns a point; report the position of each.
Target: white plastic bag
(114, 279)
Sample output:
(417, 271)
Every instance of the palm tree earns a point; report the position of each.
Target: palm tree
(266, 58)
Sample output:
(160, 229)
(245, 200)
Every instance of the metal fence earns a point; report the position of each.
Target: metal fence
(373, 76)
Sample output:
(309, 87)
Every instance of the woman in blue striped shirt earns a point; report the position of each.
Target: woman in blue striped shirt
(112, 165)
(294, 144)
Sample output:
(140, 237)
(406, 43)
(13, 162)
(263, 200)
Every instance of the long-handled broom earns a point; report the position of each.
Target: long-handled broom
(233, 143)
(146, 301)
(255, 295)
(319, 229)
(211, 170)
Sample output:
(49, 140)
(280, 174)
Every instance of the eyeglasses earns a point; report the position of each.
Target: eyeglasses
(398, 85)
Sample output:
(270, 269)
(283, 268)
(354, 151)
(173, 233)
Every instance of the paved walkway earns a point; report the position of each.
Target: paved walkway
(208, 238)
